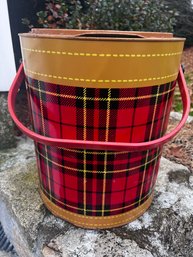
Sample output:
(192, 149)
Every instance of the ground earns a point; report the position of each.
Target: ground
(187, 61)
(165, 230)
(180, 148)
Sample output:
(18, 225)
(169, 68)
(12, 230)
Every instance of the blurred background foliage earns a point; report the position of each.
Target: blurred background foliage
(151, 15)
(184, 21)
(141, 15)
(147, 15)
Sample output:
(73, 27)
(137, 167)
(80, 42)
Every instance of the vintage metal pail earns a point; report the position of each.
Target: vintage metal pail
(100, 103)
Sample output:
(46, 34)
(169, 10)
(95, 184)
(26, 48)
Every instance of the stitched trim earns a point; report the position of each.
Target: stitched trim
(100, 80)
(101, 54)
(124, 218)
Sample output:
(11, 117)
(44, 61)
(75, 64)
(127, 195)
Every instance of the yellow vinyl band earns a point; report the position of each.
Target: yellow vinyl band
(101, 64)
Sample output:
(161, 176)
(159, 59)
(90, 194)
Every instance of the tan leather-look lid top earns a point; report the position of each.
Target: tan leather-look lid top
(101, 59)
(101, 35)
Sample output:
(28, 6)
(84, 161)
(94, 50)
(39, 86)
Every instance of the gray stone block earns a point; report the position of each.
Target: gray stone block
(165, 230)
(178, 116)
(7, 134)
(4, 254)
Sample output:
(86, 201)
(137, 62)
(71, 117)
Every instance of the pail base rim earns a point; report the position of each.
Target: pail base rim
(95, 222)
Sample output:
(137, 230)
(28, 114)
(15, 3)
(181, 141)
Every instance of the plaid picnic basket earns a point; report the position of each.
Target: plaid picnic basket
(100, 103)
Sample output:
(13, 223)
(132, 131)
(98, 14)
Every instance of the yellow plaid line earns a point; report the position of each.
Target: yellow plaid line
(101, 99)
(43, 128)
(96, 171)
(94, 210)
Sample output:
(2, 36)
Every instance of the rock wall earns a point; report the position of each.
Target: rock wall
(165, 230)
(7, 135)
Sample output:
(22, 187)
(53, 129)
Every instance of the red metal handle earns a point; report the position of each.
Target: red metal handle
(97, 145)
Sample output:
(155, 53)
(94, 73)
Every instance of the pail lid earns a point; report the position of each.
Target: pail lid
(101, 58)
(102, 35)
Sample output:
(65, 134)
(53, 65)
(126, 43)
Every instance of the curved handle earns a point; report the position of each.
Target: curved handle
(97, 145)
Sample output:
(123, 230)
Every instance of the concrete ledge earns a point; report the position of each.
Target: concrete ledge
(165, 230)
(4, 254)
(7, 133)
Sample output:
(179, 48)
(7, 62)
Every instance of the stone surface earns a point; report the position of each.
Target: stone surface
(4, 254)
(7, 135)
(87, 243)
(16, 157)
(165, 230)
(178, 116)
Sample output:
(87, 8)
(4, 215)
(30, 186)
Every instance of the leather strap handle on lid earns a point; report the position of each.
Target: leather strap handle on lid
(97, 145)
(109, 34)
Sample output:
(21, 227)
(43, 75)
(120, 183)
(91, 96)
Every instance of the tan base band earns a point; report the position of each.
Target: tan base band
(96, 222)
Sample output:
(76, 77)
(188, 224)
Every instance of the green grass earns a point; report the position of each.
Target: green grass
(189, 78)
(177, 102)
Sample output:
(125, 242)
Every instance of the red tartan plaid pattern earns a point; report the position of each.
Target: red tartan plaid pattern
(98, 183)
(62, 177)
